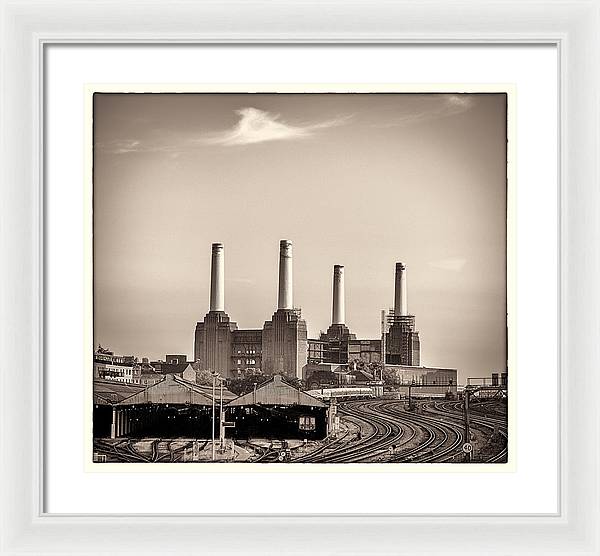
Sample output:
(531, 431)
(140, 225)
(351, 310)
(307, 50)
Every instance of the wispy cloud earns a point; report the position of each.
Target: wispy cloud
(439, 106)
(253, 126)
(258, 126)
(124, 146)
(454, 264)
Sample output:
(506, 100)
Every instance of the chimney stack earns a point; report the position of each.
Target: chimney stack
(285, 300)
(400, 307)
(339, 306)
(217, 278)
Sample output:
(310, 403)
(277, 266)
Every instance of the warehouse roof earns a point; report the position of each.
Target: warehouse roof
(276, 391)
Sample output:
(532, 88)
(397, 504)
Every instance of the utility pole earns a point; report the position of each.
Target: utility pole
(383, 315)
(221, 429)
(214, 375)
(467, 393)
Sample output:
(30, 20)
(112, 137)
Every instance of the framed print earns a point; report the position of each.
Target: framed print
(282, 393)
(289, 270)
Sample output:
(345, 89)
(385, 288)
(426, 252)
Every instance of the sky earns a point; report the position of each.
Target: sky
(361, 180)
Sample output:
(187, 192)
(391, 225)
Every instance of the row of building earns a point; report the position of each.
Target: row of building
(129, 369)
(282, 344)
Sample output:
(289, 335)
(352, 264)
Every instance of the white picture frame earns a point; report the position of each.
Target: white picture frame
(28, 26)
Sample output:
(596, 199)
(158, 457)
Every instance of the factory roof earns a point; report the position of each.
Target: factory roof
(276, 391)
(111, 391)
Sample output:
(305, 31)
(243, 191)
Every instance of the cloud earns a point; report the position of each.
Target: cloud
(455, 264)
(124, 146)
(258, 126)
(441, 106)
(254, 126)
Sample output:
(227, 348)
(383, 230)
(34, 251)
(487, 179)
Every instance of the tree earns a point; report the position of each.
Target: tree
(245, 382)
(204, 377)
(390, 377)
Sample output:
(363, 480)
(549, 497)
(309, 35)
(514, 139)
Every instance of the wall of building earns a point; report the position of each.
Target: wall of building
(213, 343)
(335, 343)
(315, 351)
(120, 368)
(246, 350)
(368, 351)
(176, 359)
(285, 344)
(402, 342)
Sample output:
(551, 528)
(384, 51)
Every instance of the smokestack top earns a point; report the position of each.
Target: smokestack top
(217, 278)
(400, 301)
(338, 313)
(285, 297)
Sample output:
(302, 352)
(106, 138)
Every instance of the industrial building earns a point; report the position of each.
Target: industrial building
(339, 345)
(281, 345)
(335, 341)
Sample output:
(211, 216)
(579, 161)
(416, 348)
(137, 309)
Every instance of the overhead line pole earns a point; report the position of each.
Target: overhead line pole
(214, 375)
(467, 393)
(383, 316)
(221, 429)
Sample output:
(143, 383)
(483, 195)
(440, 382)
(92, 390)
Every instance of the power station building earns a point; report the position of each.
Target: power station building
(339, 345)
(279, 348)
(335, 341)
(282, 346)
(403, 346)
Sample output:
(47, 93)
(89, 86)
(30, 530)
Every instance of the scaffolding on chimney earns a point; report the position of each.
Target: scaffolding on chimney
(406, 322)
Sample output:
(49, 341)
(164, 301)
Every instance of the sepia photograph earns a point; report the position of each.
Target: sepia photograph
(300, 278)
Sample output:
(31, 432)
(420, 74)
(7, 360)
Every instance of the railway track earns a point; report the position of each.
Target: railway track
(379, 431)
(125, 451)
(480, 419)
(434, 436)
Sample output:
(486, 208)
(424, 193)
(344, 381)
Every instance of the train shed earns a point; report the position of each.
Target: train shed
(173, 407)
(107, 393)
(277, 410)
